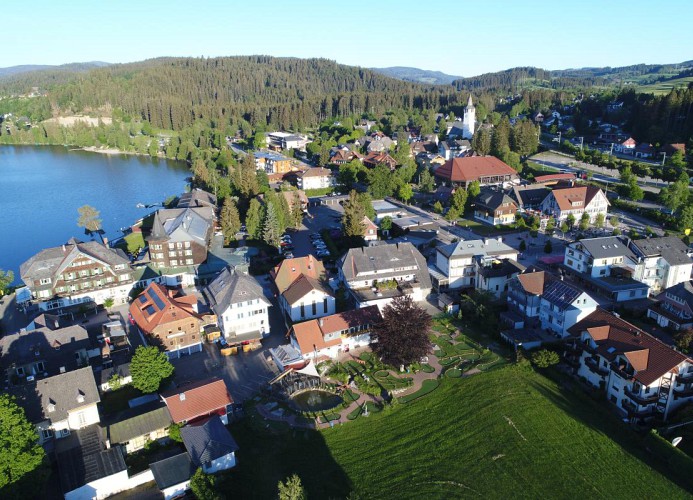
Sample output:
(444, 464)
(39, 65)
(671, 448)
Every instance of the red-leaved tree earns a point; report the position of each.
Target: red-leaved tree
(402, 335)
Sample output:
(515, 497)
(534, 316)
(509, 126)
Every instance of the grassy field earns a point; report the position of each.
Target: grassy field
(507, 433)
(665, 87)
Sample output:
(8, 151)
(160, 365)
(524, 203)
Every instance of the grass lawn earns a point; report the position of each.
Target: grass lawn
(469, 222)
(115, 401)
(133, 242)
(319, 192)
(509, 433)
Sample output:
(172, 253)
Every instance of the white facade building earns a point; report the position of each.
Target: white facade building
(562, 306)
(663, 262)
(316, 178)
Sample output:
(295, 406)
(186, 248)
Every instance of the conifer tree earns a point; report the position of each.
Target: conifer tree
(296, 211)
(352, 220)
(254, 219)
(230, 219)
(272, 230)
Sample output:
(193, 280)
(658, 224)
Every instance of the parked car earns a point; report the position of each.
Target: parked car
(288, 255)
(288, 248)
(285, 243)
(315, 236)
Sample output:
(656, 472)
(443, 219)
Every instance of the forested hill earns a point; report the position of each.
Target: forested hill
(29, 68)
(172, 93)
(417, 75)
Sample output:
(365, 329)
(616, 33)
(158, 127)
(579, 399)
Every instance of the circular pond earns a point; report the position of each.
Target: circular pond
(315, 400)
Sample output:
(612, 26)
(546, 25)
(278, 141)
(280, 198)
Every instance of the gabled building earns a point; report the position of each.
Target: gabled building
(643, 377)
(344, 155)
(453, 147)
(560, 203)
(170, 320)
(524, 299)
(529, 197)
(375, 275)
(456, 266)
(626, 147)
(376, 158)
(303, 288)
(663, 262)
(487, 170)
(197, 198)
(370, 231)
(43, 352)
(316, 178)
(60, 404)
(88, 467)
(240, 305)
(286, 140)
(180, 236)
(328, 336)
(210, 445)
(563, 305)
(673, 307)
(172, 475)
(198, 400)
(495, 208)
(135, 427)
(76, 273)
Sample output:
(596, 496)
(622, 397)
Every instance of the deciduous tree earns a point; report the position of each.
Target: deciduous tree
(149, 367)
(89, 218)
(427, 183)
(402, 335)
(21, 457)
(545, 358)
(204, 486)
(6, 279)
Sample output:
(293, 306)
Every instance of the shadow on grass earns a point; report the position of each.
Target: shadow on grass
(271, 454)
(600, 415)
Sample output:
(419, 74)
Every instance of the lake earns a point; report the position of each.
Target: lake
(41, 189)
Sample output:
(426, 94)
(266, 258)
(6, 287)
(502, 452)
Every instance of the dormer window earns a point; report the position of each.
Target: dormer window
(80, 396)
(51, 407)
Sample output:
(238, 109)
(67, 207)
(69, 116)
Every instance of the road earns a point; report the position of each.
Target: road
(601, 174)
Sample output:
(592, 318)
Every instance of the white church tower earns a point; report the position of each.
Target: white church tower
(469, 119)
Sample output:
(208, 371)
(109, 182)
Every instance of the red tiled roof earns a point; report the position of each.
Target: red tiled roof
(614, 336)
(567, 197)
(291, 269)
(147, 313)
(200, 400)
(310, 334)
(472, 168)
(301, 287)
(533, 282)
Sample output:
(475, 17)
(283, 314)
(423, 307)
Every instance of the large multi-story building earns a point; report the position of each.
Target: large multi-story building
(562, 305)
(643, 377)
(456, 264)
(662, 262)
(77, 272)
(240, 306)
(673, 307)
(180, 237)
(487, 170)
(377, 274)
(303, 288)
(575, 201)
(170, 320)
(316, 178)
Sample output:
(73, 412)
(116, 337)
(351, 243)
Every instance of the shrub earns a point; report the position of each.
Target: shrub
(545, 358)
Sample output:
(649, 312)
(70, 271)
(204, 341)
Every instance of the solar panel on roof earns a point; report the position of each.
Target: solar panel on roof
(143, 299)
(150, 310)
(157, 300)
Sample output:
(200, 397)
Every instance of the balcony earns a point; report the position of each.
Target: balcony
(686, 392)
(622, 372)
(593, 365)
(634, 411)
(641, 400)
(685, 378)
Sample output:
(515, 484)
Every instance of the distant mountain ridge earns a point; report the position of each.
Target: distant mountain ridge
(70, 67)
(417, 75)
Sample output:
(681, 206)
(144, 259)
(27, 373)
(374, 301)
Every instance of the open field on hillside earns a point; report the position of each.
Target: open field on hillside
(507, 433)
(665, 87)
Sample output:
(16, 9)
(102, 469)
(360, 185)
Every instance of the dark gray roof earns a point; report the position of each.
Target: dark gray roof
(122, 369)
(505, 267)
(137, 421)
(232, 287)
(197, 198)
(380, 262)
(83, 458)
(173, 470)
(472, 248)
(63, 393)
(55, 348)
(670, 248)
(604, 248)
(208, 441)
(493, 199)
(561, 294)
(183, 224)
(530, 196)
(52, 261)
(683, 291)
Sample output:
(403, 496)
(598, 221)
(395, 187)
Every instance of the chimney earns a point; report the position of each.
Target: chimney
(500, 239)
(182, 396)
(321, 322)
(62, 369)
(105, 240)
(63, 248)
(108, 444)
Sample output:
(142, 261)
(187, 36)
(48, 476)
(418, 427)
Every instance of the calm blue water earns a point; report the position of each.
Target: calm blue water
(41, 189)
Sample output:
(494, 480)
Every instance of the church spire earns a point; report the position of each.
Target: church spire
(469, 102)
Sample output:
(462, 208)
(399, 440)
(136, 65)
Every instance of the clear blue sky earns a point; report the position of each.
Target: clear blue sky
(458, 37)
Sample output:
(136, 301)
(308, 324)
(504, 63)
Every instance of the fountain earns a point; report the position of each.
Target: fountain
(315, 400)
